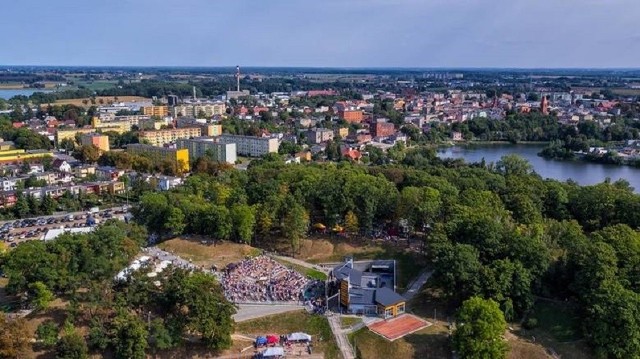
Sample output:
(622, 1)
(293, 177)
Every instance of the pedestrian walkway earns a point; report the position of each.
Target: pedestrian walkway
(419, 282)
(341, 337)
(298, 262)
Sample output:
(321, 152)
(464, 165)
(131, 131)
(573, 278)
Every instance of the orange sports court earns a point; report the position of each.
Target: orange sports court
(398, 327)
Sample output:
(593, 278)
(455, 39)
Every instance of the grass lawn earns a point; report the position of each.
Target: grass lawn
(208, 254)
(314, 325)
(558, 329)
(347, 322)
(430, 342)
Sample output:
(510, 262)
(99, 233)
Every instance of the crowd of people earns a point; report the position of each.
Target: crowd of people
(262, 279)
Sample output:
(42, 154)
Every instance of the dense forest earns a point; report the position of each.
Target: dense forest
(491, 230)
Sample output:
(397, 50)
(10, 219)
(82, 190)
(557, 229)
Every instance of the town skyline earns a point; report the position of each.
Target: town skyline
(355, 34)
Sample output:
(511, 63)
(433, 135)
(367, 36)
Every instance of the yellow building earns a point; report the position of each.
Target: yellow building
(180, 157)
(18, 156)
(162, 137)
(96, 139)
(115, 126)
(61, 135)
(161, 111)
(343, 132)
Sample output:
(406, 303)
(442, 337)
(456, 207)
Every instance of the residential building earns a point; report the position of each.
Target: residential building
(162, 137)
(70, 134)
(250, 145)
(382, 128)
(343, 132)
(180, 157)
(61, 166)
(208, 129)
(166, 183)
(160, 111)
(193, 110)
(319, 135)
(368, 288)
(198, 147)
(19, 156)
(351, 115)
(96, 139)
(119, 126)
(237, 94)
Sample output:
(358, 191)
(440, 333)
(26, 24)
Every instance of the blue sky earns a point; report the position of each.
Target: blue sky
(340, 33)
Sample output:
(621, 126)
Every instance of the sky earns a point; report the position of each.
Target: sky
(322, 33)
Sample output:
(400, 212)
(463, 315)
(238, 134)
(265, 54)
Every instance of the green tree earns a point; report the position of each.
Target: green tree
(130, 337)
(351, 222)
(40, 295)
(243, 220)
(175, 221)
(480, 326)
(160, 337)
(47, 333)
(48, 205)
(513, 165)
(21, 208)
(295, 225)
(71, 346)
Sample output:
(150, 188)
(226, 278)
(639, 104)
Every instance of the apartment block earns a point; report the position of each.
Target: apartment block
(382, 128)
(208, 129)
(199, 147)
(96, 139)
(251, 146)
(180, 157)
(161, 111)
(71, 134)
(163, 137)
(319, 135)
(351, 115)
(192, 110)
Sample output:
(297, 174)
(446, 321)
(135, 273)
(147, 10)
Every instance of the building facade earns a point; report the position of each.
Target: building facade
(161, 111)
(163, 137)
(96, 139)
(193, 110)
(382, 128)
(351, 115)
(319, 135)
(250, 145)
(199, 147)
(180, 157)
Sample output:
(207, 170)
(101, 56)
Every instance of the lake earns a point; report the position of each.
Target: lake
(584, 173)
(9, 93)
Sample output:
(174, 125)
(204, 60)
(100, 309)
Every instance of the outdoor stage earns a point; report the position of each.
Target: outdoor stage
(398, 327)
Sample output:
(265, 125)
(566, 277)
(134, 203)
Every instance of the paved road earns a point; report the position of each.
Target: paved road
(251, 311)
(414, 287)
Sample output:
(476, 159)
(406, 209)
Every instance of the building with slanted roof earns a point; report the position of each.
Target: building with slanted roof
(368, 288)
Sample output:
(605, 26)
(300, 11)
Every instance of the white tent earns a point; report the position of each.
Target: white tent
(299, 337)
(273, 352)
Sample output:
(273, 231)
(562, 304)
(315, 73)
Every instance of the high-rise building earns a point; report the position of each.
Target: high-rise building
(199, 147)
(382, 128)
(172, 100)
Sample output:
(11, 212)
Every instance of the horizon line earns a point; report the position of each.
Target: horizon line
(334, 67)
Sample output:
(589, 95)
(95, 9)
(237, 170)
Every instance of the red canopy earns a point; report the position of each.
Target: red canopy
(272, 339)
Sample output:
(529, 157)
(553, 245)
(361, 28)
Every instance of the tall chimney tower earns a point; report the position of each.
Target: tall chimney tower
(194, 93)
(238, 78)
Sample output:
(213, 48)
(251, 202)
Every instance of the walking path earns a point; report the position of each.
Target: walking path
(298, 262)
(248, 312)
(414, 287)
(341, 337)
